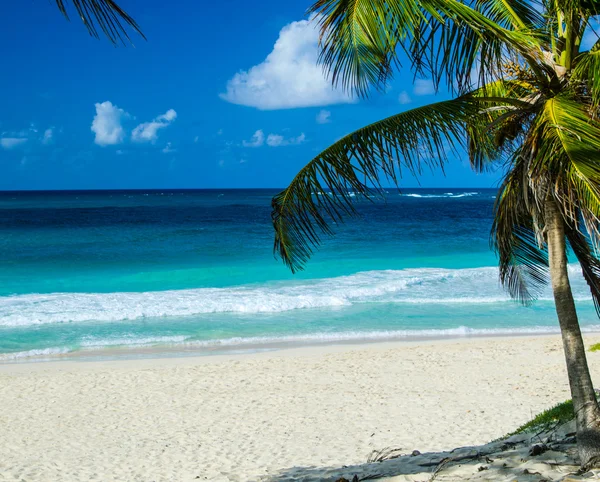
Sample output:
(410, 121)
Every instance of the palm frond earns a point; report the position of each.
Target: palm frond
(360, 41)
(587, 71)
(565, 146)
(356, 166)
(494, 134)
(515, 14)
(590, 265)
(523, 260)
(105, 15)
(468, 48)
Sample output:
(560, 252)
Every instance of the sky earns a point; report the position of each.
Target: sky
(221, 95)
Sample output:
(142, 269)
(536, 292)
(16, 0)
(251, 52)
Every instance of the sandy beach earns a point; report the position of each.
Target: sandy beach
(268, 416)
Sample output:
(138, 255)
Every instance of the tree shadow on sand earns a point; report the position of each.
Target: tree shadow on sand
(526, 458)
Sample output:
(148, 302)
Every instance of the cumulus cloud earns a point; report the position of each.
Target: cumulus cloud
(324, 117)
(148, 131)
(289, 77)
(47, 137)
(107, 124)
(423, 87)
(12, 142)
(168, 148)
(276, 140)
(404, 98)
(258, 139)
(15, 139)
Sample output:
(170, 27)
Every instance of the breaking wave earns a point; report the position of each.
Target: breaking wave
(421, 286)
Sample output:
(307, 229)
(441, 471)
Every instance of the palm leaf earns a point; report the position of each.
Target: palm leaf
(590, 265)
(515, 14)
(565, 147)
(467, 47)
(105, 15)
(443, 38)
(523, 261)
(358, 164)
(587, 71)
(494, 134)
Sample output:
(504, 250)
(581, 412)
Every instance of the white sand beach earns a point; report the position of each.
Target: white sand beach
(270, 416)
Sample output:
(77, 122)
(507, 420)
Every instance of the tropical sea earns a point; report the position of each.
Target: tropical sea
(144, 273)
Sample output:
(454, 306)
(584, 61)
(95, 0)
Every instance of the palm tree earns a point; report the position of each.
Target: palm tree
(525, 96)
(106, 15)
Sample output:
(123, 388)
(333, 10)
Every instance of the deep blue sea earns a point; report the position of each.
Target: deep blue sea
(117, 273)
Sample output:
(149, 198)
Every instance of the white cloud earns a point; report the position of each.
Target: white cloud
(107, 124)
(148, 131)
(12, 142)
(168, 116)
(289, 77)
(48, 134)
(14, 139)
(167, 149)
(258, 139)
(404, 98)
(423, 87)
(275, 140)
(324, 117)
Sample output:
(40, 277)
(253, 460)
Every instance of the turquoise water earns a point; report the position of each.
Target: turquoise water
(193, 271)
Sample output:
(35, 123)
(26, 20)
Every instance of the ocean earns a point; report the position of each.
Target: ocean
(111, 274)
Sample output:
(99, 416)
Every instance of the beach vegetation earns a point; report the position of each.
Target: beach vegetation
(525, 99)
(549, 419)
(595, 347)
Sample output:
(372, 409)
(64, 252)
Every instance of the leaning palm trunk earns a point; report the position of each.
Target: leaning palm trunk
(587, 411)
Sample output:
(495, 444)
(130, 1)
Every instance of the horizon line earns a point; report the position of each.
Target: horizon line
(4, 191)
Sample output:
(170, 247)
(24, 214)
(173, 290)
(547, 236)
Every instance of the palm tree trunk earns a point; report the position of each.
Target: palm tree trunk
(586, 407)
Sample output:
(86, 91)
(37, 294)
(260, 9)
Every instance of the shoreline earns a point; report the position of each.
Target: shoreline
(285, 352)
(183, 351)
(271, 416)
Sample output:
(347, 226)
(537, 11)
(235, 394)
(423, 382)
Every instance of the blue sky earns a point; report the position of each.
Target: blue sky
(222, 94)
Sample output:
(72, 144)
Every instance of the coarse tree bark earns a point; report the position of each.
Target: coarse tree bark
(585, 404)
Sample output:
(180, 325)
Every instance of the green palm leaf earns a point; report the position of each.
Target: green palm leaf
(564, 145)
(590, 265)
(522, 259)
(358, 164)
(105, 15)
(467, 47)
(587, 71)
(495, 131)
(515, 14)
(443, 38)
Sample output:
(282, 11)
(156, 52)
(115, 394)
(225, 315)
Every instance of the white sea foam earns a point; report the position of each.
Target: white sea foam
(42, 353)
(445, 195)
(131, 341)
(258, 342)
(349, 336)
(411, 286)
